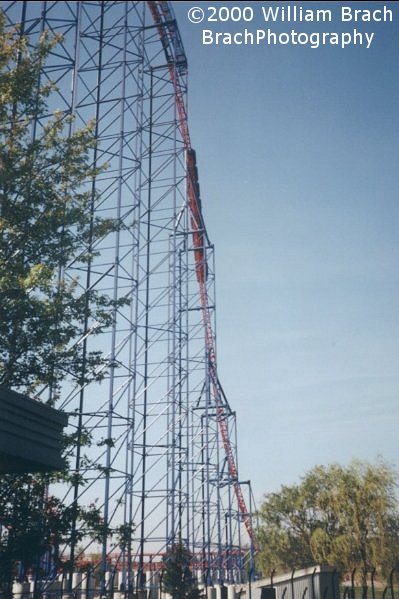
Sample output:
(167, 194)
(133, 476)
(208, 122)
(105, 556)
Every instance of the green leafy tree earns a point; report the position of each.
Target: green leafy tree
(46, 176)
(177, 577)
(347, 517)
(34, 523)
(45, 223)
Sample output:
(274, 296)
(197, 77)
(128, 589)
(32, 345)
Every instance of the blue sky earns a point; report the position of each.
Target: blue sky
(297, 151)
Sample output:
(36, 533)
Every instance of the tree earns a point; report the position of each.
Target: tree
(46, 176)
(342, 516)
(45, 223)
(177, 578)
(34, 523)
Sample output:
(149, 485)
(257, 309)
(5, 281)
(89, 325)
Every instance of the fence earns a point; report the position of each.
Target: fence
(321, 582)
(318, 582)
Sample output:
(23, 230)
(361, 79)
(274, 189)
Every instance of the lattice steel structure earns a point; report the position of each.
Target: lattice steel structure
(163, 452)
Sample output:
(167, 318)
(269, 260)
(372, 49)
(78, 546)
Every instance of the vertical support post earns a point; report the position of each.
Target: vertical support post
(140, 573)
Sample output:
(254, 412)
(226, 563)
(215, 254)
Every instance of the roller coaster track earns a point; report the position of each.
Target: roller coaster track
(158, 455)
(166, 24)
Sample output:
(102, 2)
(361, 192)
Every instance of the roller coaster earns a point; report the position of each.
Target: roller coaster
(163, 454)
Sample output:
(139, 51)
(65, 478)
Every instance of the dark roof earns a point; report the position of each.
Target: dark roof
(30, 434)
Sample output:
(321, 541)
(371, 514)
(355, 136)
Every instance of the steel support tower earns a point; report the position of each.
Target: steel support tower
(162, 458)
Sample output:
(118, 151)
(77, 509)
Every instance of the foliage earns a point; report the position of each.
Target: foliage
(342, 516)
(177, 578)
(46, 222)
(124, 533)
(34, 523)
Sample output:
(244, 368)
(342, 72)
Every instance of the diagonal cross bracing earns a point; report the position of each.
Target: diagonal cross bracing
(163, 442)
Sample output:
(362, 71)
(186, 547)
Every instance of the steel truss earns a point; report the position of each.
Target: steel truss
(163, 454)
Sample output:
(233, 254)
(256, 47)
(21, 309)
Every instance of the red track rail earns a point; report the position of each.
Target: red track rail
(165, 22)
